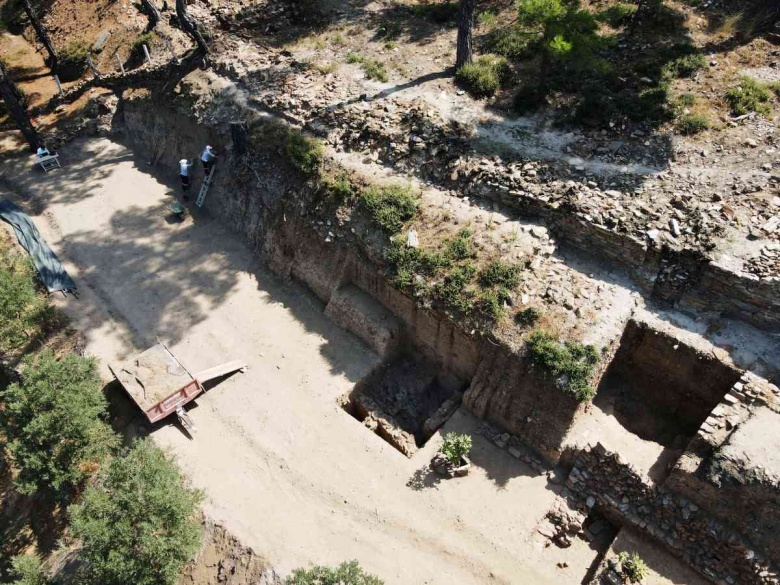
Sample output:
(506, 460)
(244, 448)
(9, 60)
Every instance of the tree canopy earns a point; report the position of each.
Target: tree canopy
(137, 521)
(53, 423)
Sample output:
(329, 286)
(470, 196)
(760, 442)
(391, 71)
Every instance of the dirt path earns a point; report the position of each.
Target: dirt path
(283, 467)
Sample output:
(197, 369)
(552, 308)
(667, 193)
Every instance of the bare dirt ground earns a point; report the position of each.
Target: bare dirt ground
(284, 468)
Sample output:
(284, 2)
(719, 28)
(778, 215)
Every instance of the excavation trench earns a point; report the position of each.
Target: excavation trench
(654, 392)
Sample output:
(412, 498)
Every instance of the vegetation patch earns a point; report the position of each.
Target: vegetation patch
(371, 67)
(511, 42)
(53, 421)
(528, 317)
(27, 570)
(345, 574)
(632, 567)
(72, 60)
(570, 362)
(684, 66)
(749, 96)
(690, 124)
(498, 273)
(448, 275)
(137, 523)
(437, 12)
(25, 313)
(617, 15)
(484, 75)
(455, 447)
(390, 206)
(595, 75)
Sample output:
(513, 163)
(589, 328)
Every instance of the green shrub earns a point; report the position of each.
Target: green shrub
(487, 18)
(27, 570)
(24, 314)
(455, 446)
(147, 38)
(511, 42)
(461, 248)
(375, 70)
(72, 60)
(749, 96)
(632, 567)
(453, 289)
(484, 75)
(437, 12)
(684, 66)
(137, 523)
(53, 422)
(339, 187)
(686, 100)
(691, 124)
(345, 574)
(570, 362)
(617, 15)
(539, 12)
(390, 206)
(389, 30)
(498, 273)
(528, 317)
(304, 152)
(371, 67)
(491, 303)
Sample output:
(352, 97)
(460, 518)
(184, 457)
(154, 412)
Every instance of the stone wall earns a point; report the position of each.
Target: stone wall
(737, 487)
(740, 296)
(715, 549)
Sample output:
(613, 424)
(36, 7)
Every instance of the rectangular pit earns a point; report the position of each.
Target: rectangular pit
(661, 389)
(405, 401)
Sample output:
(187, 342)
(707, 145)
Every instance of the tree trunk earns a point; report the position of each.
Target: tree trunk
(190, 26)
(465, 33)
(10, 95)
(42, 35)
(152, 12)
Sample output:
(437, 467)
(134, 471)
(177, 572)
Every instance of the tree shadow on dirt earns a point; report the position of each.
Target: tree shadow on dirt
(739, 23)
(424, 478)
(25, 521)
(161, 286)
(84, 169)
(164, 285)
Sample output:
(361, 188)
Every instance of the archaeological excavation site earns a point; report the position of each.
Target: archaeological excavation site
(400, 292)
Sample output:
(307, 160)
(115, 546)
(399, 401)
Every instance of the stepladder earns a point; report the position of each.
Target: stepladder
(204, 188)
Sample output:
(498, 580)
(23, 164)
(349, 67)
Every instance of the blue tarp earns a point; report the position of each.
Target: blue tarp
(47, 264)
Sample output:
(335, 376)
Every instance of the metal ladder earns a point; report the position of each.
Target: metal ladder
(204, 188)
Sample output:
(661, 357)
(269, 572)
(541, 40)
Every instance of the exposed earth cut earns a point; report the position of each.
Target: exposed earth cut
(599, 309)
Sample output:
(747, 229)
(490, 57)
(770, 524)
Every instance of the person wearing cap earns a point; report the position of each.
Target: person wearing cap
(184, 175)
(207, 158)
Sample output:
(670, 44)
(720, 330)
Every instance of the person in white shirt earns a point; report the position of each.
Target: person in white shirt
(43, 151)
(184, 175)
(207, 158)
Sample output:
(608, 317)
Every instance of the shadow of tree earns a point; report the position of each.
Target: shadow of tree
(424, 478)
(741, 23)
(25, 521)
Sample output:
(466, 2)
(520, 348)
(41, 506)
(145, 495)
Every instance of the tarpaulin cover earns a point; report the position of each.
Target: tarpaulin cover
(46, 262)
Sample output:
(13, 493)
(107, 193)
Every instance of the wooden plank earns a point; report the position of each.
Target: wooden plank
(221, 370)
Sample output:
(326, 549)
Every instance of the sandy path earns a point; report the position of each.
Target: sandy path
(281, 465)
